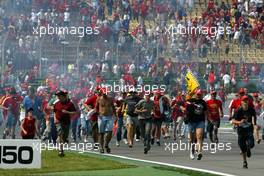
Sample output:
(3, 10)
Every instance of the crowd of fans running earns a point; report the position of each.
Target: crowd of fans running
(141, 31)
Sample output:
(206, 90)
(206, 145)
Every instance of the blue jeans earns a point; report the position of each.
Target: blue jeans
(85, 126)
(195, 125)
(74, 127)
(105, 124)
(119, 129)
(145, 128)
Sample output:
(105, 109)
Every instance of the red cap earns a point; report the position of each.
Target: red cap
(244, 98)
(158, 92)
(255, 94)
(241, 91)
(103, 90)
(198, 92)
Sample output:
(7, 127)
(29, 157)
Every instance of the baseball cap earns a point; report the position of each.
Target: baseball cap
(61, 92)
(255, 94)
(29, 110)
(198, 92)
(244, 98)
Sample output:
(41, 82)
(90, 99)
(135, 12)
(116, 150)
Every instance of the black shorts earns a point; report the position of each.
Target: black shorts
(63, 131)
(28, 137)
(245, 138)
(157, 121)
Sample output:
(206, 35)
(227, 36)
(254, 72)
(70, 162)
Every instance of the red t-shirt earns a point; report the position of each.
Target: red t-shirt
(29, 126)
(213, 109)
(237, 102)
(92, 101)
(12, 102)
(63, 117)
(157, 113)
(176, 111)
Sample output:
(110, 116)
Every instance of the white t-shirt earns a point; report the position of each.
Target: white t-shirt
(115, 69)
(140, 80)
(226, 79)
(132, 68)
(66, 16)
(34, 17)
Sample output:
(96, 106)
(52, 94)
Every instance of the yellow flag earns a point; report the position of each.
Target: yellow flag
(191, 82)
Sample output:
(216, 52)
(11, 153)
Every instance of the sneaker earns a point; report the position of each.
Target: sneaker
(137, 140)
(108, 150)
(61, 154)
(85, 140)
(117, 143)
(101, 150)
(248, 153)
(158, 143)
(192, 157)
(145, 150)
(199, 156)
(152, 141)
(245, 165)
(125, 141)
(258, 141)
(213, 145)
(130, 145)
(4, 135)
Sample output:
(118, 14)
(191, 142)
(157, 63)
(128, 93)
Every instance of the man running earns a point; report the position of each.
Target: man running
(196, 113)
(178, 114)
(90, 104)
(215, 112)
(157, 119)
(11, 107)
(106, 110)
(131, 116)
(245, 119)
(144, 110)
(257, 107)
(63, 109)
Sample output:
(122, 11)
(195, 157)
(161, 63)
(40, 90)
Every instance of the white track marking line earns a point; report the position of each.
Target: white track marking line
(161, 163)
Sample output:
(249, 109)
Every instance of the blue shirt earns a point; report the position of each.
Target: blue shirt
(36, 104)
